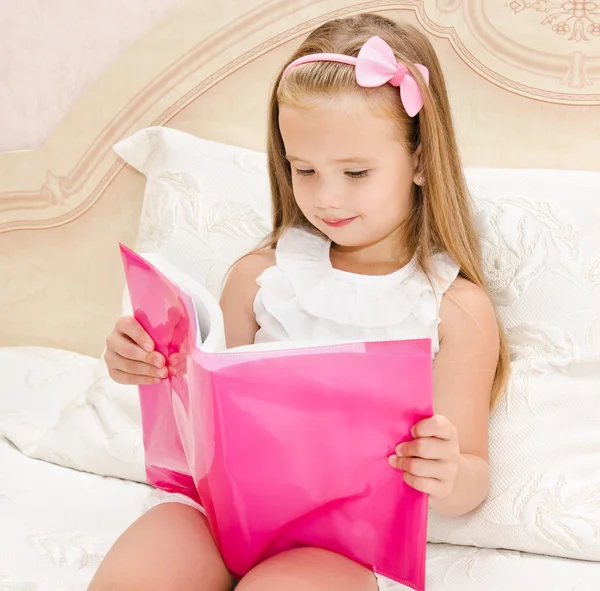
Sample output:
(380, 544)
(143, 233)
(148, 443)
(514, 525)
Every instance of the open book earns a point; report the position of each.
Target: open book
(283, 445)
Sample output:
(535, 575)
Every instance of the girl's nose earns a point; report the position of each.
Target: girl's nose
(327, 196)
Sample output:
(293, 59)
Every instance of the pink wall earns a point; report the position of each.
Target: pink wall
(50, 52)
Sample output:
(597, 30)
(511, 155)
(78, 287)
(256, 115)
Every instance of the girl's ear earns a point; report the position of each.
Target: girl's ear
(418, 177)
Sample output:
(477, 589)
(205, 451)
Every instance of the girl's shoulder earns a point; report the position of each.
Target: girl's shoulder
(239, 293)
(245, 275)
(467, 311)
(246, 271)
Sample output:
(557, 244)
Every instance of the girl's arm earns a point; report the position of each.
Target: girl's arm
(237, 299)
(463, 373)
(449, 457)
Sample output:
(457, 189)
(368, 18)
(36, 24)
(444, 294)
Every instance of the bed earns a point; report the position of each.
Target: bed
(52, 539)
(524, 85)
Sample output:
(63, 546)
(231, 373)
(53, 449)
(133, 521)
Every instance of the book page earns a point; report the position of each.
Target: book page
(210, 329)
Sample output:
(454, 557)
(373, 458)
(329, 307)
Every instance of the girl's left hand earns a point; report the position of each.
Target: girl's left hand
(430, 461)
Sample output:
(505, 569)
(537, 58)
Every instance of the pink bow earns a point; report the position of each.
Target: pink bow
(376, 64)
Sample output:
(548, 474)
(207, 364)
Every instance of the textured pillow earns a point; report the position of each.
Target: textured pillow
(98, 430)
(205, 205)
(62, 407)
(37, 382)
(541, 249)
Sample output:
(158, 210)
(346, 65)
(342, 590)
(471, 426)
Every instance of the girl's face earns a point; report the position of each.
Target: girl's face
(352, 174)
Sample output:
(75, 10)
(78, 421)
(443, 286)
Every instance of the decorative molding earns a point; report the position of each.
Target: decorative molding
(493, 38)
(61, 189)
(494, 41)
(580, 21)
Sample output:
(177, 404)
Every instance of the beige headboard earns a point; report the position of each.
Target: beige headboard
(524, 80)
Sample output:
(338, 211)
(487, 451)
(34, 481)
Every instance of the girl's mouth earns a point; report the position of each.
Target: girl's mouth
(339, 222)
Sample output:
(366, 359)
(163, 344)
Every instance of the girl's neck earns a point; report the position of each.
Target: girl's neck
(381, 258)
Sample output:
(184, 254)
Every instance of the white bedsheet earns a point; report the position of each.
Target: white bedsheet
(56, 524)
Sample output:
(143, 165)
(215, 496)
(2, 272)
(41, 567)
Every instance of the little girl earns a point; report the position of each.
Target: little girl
(373, 240)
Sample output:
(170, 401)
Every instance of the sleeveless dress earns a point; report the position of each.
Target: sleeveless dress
(304, 298)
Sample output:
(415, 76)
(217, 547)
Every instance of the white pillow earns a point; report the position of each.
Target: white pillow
(541, 250)
(37, 382)
(98, 431)
(205, 205)
(62, 407)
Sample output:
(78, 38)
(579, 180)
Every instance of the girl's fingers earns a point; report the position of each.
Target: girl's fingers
(132, 379)
(429, 448)
(435, 426)
(131, 328)
(139, 368)
(121, 345)
(429, 486)
(422, 468)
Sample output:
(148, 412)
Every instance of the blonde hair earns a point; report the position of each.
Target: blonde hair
(441, 219)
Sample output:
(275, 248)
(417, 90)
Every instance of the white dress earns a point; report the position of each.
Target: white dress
(303, 298)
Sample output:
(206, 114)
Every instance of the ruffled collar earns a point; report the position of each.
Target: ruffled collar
(349, 298)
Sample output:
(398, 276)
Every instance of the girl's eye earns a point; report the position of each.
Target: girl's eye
(354, 174)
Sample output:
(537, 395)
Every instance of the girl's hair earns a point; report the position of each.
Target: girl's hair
(441, 219)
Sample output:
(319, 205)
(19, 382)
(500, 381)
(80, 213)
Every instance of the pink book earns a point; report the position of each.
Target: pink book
(284, 445)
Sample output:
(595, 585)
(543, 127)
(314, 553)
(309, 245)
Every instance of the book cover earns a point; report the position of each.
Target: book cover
(284, 446)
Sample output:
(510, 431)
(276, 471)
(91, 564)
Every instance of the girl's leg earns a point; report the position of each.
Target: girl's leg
(169, 548)
(308, 569)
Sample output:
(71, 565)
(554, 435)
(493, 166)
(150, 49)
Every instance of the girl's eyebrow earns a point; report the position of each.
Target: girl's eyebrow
(354, 160)
(357, 160)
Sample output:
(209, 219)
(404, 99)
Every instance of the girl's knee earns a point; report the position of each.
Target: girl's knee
(308, 569)
(169, 548)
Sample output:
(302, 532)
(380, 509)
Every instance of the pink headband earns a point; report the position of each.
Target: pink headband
(375, 65)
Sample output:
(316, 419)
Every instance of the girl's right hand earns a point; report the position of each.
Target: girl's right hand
(130, 355)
